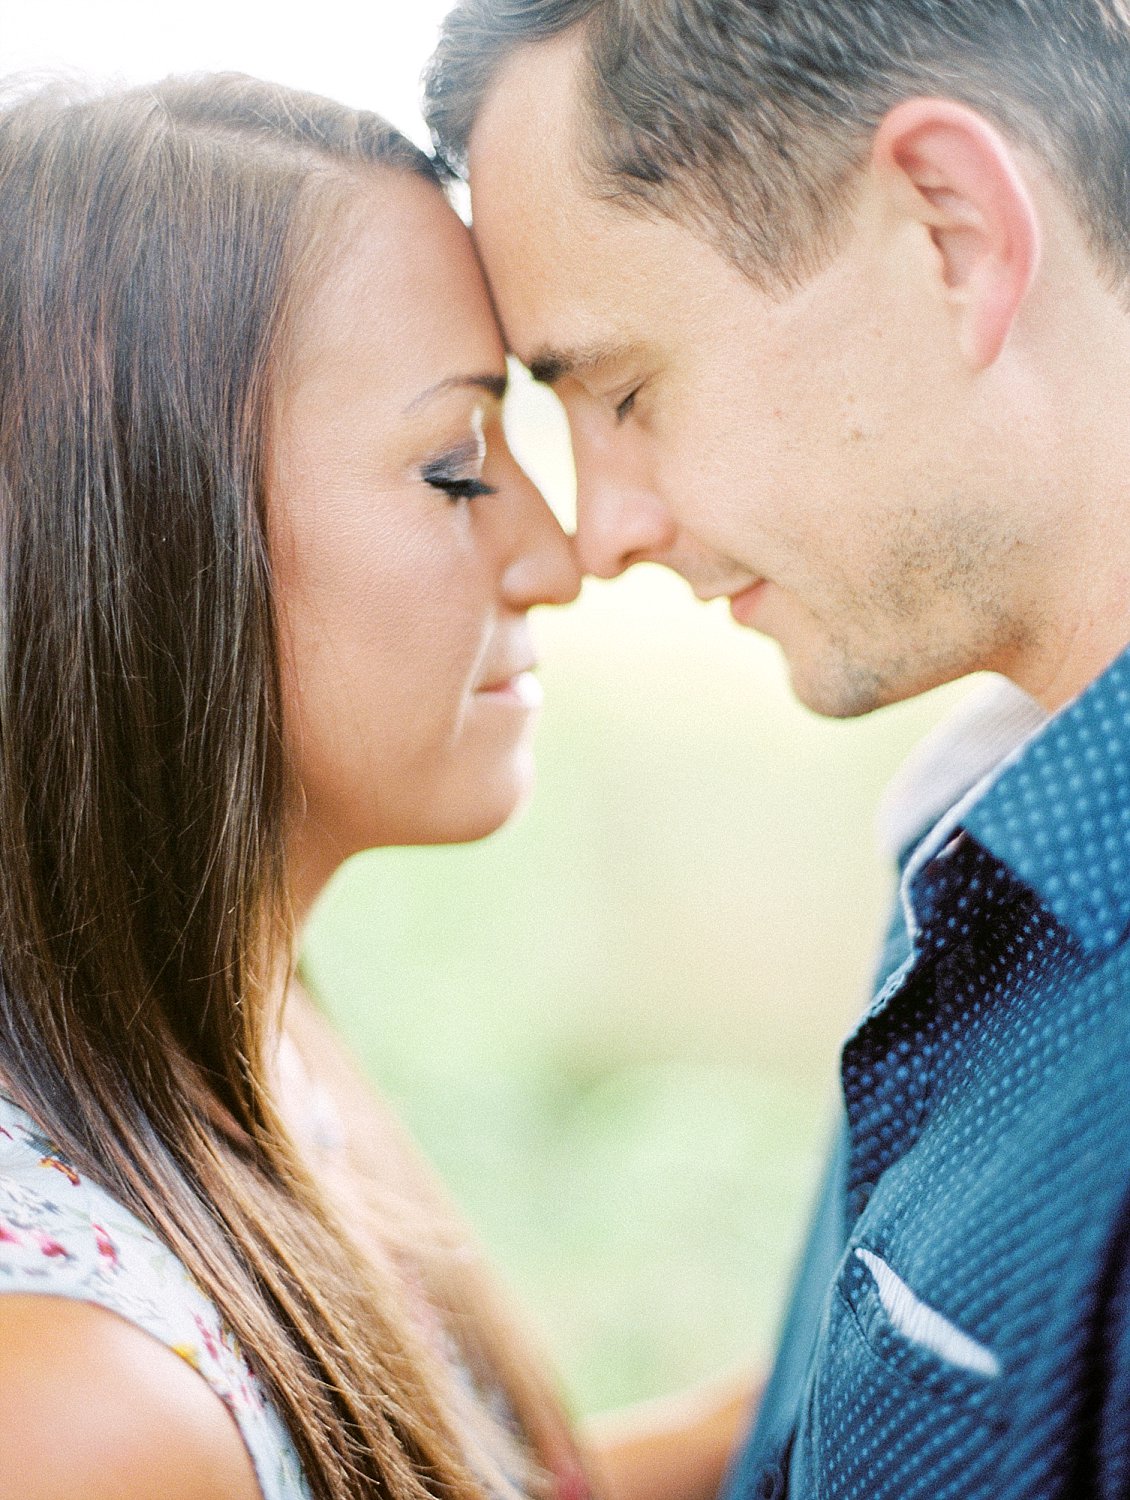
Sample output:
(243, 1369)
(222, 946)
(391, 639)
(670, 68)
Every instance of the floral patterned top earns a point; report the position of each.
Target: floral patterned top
(63, 1236)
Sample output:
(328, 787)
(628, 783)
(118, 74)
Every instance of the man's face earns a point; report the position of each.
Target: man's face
(825, 457)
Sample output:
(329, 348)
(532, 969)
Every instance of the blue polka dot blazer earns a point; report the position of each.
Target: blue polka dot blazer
(960, 1328)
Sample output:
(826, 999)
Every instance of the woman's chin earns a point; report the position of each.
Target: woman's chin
(473, 812)
(462, 809)
(491, 810)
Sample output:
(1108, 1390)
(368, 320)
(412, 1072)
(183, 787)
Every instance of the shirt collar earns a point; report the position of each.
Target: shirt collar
(1057, 813)
(989, 723)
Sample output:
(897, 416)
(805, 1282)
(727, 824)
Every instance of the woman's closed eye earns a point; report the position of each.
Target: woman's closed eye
(460, 489)
(454, 474)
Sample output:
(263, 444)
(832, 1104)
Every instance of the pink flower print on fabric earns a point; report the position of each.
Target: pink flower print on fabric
(105, 1244)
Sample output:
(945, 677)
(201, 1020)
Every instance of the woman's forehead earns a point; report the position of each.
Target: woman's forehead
(400, 298)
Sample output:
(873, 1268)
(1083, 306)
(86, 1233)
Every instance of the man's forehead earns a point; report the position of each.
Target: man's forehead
(574, 274)
(529, 120)
(541, 235)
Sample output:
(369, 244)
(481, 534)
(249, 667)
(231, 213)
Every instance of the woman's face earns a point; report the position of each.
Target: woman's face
(407, 545)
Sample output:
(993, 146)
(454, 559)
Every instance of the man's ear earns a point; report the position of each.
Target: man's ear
(947, 167)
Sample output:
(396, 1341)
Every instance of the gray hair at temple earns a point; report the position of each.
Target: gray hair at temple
(750, 119)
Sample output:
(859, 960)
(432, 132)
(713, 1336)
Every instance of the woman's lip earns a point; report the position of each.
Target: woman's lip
(522, 688)
(743, 605)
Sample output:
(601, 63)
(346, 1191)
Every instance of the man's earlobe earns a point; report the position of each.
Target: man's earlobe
(947, 166)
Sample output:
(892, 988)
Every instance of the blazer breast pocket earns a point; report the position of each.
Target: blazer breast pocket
(900, 1399)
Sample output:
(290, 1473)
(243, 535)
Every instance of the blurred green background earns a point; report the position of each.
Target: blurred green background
(615, 1025)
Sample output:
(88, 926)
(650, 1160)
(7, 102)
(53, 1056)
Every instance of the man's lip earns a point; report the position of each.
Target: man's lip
(707, 593)
(745, 601)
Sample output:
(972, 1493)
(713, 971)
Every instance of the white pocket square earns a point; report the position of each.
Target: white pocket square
(920, 1324)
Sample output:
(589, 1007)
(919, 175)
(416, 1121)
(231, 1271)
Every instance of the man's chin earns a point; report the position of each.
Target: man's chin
(838, 686)
(840, 675)
(842, 689)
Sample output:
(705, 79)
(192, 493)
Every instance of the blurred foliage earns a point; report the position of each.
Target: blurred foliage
(614, 1026)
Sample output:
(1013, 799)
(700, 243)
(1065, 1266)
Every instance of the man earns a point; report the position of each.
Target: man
(836, 297)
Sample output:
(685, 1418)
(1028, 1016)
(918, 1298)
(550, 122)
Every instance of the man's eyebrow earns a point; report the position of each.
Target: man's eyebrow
(548, 366)
(494, 385)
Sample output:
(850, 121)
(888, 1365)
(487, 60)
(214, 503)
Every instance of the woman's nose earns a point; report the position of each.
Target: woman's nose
(544, 568)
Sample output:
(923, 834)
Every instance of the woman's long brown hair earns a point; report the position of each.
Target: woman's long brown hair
(150, 242)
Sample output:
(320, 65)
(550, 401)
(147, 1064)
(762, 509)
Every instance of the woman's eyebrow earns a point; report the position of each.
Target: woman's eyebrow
(494, 385)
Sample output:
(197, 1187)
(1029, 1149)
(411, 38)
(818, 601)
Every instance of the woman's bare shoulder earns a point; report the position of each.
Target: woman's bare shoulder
(94, 1406)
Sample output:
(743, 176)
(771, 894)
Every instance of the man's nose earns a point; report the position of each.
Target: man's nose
(619, 522)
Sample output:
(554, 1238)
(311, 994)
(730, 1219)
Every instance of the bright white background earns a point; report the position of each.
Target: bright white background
(367, 54)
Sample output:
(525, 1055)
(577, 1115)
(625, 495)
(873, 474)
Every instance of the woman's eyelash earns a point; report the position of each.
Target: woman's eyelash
(459, 489)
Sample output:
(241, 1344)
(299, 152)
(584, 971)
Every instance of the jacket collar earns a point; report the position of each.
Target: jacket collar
(1057, 813)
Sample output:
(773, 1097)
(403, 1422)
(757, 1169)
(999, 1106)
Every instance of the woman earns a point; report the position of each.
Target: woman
(266, 569)
(256, 617)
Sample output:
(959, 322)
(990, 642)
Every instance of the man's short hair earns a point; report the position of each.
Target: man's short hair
(751, 118)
